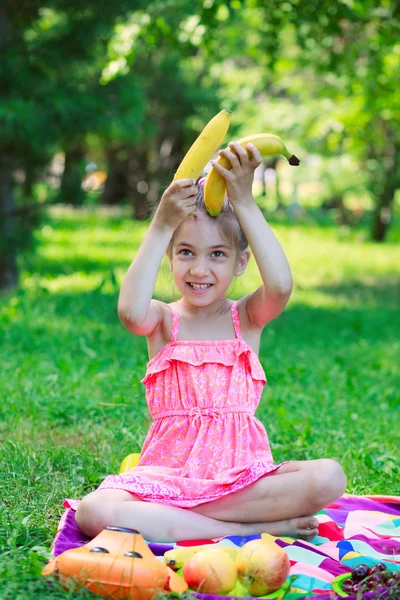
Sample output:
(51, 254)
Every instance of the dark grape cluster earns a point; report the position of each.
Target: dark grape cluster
(366, 579)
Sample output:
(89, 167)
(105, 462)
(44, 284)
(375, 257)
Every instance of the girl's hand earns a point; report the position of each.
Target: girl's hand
(177, 202)
(239, 180)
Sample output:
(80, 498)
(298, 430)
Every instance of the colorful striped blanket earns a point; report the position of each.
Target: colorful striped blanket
(352, 530)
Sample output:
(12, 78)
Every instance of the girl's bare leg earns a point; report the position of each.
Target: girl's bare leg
(156, 522)
(296, 489)
(281, 504)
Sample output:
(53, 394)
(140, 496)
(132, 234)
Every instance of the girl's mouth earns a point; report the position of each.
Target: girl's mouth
(199, 288)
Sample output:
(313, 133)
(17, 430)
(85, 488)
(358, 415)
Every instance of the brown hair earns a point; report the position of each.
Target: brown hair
(227, 221)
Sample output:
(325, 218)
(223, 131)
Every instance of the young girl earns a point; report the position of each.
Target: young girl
(206, 469)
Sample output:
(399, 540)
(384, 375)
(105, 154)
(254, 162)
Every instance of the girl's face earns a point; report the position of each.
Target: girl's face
(202, 261)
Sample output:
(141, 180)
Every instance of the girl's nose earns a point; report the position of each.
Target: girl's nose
(199, 268)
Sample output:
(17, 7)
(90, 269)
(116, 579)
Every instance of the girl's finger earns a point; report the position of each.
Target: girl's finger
(189, 202)
(255, 155)
(189, 192)
(226, 173)
(240, 152)
(180, 184)
(232, 157)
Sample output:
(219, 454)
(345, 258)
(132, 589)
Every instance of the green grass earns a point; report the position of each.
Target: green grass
(72, 405)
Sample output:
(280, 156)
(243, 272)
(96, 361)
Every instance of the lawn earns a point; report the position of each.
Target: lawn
(72, 405)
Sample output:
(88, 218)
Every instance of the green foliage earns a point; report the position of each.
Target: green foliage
(56, 95)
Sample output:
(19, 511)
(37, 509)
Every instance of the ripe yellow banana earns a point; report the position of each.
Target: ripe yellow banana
(129, 462)
(268, 144)
(176, 558)
(204, 146)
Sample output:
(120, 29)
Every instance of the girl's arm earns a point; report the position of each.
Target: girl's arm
(138, 312)
(269, 300)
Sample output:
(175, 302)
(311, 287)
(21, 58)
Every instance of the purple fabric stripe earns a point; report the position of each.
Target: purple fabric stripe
(358, 503)
(334, 567)
(70, 535)
(388, 547)
(159, 549)
(337, 515)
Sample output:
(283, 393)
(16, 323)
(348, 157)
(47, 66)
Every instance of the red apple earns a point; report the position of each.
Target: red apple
(210, 571)
(262, 567)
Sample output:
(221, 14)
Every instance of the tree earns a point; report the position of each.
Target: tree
(352, 47)
(53, 92)
(51, 51)
(163, 56)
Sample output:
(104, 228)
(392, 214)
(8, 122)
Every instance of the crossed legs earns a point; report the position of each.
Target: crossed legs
(280, 503)
(284, 500)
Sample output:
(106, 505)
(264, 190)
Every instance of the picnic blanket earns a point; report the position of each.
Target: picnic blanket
(353, 530)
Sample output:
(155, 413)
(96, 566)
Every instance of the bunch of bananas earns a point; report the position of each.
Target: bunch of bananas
(207, 144)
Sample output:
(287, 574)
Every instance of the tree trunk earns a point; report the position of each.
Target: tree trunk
(386, 186)
(30, 178)
(383, 212)
(3, 23)
(71, 191)
(8, 252)
(115, 186)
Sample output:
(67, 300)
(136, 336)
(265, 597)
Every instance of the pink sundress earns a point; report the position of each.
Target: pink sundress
(205, 441)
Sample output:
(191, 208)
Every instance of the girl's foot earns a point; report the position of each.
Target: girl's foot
(304, 528)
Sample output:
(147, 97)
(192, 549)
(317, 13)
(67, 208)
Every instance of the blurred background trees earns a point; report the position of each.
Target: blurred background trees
(100, 100)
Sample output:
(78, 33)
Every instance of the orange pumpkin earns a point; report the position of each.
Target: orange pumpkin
(117, 564)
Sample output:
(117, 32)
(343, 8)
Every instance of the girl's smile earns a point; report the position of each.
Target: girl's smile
(199, 288)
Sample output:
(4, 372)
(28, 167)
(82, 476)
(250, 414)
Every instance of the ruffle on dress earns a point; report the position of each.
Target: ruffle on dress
(199, 353)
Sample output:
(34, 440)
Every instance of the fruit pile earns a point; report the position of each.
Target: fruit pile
(259, 566)
(366, 579)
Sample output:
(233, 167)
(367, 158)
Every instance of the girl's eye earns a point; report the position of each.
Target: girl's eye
(216, 253)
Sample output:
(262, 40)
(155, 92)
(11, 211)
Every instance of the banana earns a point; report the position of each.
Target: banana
(176, 558)
(268, 144)
(129, 461)
(203, 148)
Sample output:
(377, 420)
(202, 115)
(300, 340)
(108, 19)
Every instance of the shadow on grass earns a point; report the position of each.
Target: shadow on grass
(315, 217)
(53, 267)
(76, 219)
(59, 314)
(382, 293)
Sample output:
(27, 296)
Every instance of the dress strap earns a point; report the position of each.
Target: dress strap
(235, 319)
(175, 324)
